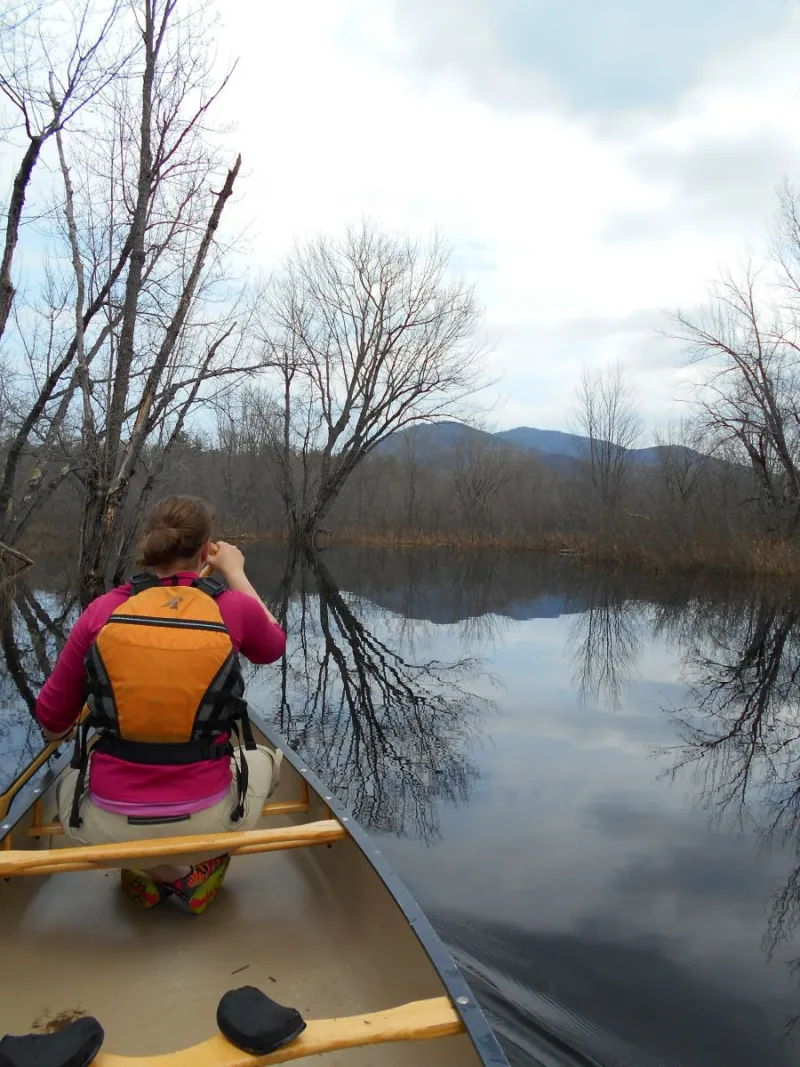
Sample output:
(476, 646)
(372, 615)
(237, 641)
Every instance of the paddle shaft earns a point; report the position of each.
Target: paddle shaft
(25, 776)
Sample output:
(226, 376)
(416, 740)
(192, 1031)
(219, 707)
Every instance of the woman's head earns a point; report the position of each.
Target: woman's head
(176, 531)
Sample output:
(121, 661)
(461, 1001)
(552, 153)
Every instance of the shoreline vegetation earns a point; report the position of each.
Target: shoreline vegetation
(765, 559)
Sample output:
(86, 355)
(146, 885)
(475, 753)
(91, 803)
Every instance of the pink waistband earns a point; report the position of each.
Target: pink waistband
(179, 808)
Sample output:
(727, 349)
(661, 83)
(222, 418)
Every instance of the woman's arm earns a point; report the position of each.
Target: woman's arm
(229, 561)
(240, 583)
(262, 639)
(61, 698)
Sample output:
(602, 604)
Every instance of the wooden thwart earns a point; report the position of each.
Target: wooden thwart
(419, 1021)
(242, 842)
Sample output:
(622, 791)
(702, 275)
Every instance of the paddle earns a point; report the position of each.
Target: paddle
(206, 569)
(26, 775)
(36, 763)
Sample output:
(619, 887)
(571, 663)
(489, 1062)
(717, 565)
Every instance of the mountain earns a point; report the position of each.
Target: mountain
(552, 442)
(557, 443)
(558, 450)
(426, 439)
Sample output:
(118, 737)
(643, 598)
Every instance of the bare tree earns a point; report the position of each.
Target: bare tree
(366, 335)
(482, 470)
(748, 342)
(147, 326)
(606, 416)
(242, 454)
(683, 463)
(748, 400)
(412, 467)
(54, 59)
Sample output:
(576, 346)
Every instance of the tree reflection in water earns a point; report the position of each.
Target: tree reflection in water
(739, 724)
(387, 732)
(605, 640)
(740, 729)
(32, 632)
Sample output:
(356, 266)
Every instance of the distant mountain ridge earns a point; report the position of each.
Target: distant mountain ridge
(554, 447)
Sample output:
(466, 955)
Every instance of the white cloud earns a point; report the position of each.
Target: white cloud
(559, 217)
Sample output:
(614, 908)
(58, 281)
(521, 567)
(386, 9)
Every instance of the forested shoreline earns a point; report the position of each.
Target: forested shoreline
(684, 512)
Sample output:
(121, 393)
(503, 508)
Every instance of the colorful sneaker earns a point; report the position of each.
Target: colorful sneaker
(199, 887)
(142, 889)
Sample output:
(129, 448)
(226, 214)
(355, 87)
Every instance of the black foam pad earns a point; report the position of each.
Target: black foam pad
(76, 1045)
(256, 1024)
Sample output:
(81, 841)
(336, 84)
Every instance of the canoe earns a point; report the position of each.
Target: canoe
(311, 913)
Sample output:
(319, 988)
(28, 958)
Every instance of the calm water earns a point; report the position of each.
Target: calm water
(590, 782)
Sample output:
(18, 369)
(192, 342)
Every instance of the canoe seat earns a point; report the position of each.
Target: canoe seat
(15, 862)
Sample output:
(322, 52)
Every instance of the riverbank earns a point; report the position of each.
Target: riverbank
(763, 559)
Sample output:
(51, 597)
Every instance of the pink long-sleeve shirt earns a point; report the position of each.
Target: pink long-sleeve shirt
(143, 788)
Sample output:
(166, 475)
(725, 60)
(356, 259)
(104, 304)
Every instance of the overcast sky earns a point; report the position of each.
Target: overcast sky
(592, 164)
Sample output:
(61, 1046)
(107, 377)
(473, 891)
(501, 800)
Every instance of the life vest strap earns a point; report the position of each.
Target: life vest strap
(208, 584)
(247, 730)
(79, 761)
(162, 753)
(140, 582)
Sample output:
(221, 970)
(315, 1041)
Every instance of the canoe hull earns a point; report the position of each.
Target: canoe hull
(329, 929)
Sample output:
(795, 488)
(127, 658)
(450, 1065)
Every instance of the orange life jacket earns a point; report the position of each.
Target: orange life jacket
(164, 684)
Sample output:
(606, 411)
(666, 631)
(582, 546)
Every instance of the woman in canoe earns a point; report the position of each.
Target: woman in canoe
(156, 661)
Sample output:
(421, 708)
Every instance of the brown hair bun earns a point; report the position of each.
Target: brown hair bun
(175, 530)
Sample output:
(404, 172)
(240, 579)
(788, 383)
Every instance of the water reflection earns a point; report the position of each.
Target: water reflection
(740, 733)
(738, 728)
(33, 629)
(387, 727)
(740, 725)
(605, 641)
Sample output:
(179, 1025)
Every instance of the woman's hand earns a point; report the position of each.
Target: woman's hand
(226, 558)
(229, 561)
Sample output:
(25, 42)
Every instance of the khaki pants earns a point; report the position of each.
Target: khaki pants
(100, 827)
